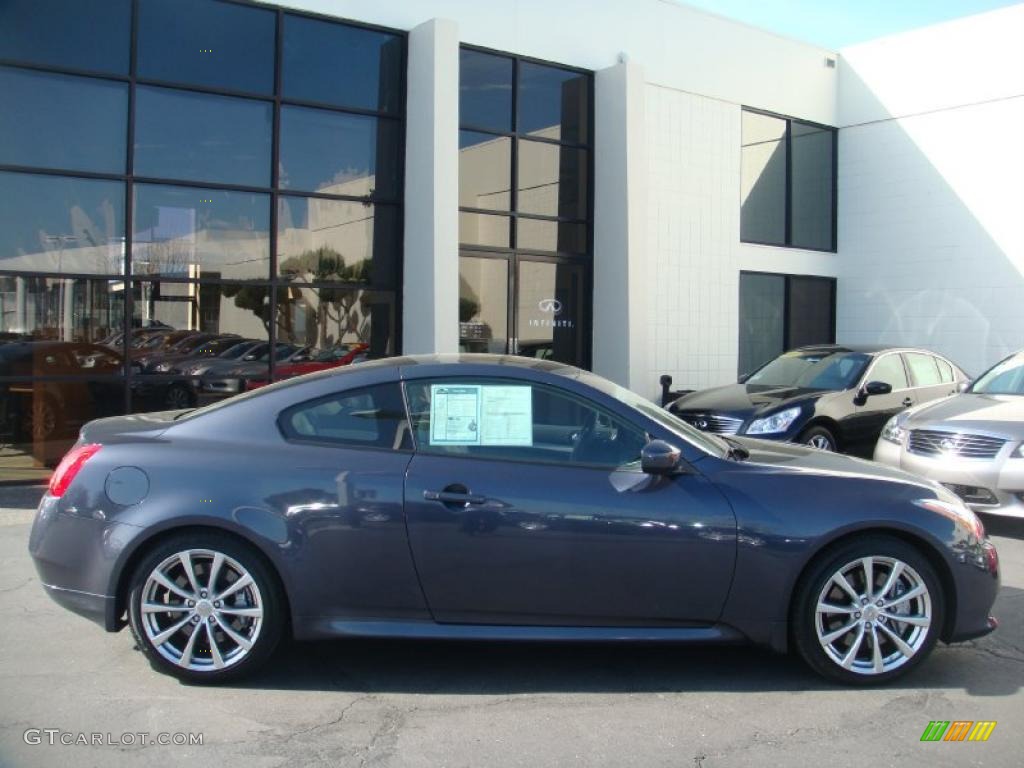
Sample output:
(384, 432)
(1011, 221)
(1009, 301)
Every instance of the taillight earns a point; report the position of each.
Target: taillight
(70, 466)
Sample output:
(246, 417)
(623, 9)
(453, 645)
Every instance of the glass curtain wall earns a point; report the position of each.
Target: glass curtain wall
(200, 196)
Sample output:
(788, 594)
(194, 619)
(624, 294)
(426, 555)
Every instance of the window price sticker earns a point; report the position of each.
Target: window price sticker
(477, 414)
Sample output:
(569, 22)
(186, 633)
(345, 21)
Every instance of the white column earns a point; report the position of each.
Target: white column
(621, 279)
(430, 298)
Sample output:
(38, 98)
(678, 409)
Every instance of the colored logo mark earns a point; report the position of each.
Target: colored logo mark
(958, 730)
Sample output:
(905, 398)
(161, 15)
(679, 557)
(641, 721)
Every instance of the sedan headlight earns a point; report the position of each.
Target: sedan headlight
(893, 430)
(777, 422)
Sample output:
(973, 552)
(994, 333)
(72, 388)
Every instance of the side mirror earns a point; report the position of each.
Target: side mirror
(878, 388)
(964, 385)
(659, 458)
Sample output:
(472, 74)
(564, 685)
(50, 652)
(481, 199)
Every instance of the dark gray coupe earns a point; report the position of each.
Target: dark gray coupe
(483, 497)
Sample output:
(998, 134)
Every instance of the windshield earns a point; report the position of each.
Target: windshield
(706, 442)
(1004, 378)
(812, 370)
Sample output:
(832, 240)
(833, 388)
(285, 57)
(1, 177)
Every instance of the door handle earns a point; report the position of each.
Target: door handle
(907, 402)
(454, 497)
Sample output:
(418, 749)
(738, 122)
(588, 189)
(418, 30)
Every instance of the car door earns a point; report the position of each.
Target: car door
(525, 506)
(871, 412)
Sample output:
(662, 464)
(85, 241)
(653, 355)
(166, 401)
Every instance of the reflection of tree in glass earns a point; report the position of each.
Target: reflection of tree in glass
(468, 309)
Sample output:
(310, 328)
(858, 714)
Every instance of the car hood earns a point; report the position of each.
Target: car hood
(1003, 414)
(746, 399)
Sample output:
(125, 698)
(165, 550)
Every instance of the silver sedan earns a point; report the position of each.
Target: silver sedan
(973, 443)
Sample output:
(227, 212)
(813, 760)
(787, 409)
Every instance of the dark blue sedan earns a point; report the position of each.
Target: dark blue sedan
(496, 498)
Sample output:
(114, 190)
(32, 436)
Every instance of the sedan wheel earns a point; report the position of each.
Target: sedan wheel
(820, 438)
(870, 613)
(205, 608)
(177, 398)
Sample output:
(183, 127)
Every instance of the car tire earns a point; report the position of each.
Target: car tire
(841, 644)
(819, 437)
(178, 397)
(215, 639)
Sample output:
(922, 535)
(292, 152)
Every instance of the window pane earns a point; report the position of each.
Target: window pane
(40, 420)
(550, 304)
(485, 171)
(339, 154)
(60, 121)
(537, 424)
(199, 137)
(485, 90)
(945, 370)
(811, 311)
(552, 180)
(337, 241)
(343, 65)
(374, 416)
(221, 45)
(484, 229)
(189, 232)
(84, 34)
(763, 185)
(812, 151)
(329, 317)
(560, 236)
(58, 224)
(554, 103)
(762, 324)
(483, 305)
(54, 314)
(923, 369)
(889, 369)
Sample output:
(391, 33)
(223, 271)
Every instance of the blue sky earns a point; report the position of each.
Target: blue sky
(835, 23)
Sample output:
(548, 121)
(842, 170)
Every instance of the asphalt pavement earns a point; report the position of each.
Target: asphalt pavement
(373, 703)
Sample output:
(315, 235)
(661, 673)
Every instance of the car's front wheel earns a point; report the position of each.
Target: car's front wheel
(205, 608)
(869, 611)
(820, 438)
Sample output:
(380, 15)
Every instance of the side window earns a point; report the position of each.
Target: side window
(368, 417)
(518, 421)
(890, 370)
(923, 369)
(945, 371)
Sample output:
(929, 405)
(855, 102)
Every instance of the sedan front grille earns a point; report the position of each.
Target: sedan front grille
(712, 422)
(929, 442)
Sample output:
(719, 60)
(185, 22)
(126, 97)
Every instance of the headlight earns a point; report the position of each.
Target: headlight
(893, 430)
(777, 422)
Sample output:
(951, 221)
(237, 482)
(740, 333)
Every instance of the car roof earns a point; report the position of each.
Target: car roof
(867, 349)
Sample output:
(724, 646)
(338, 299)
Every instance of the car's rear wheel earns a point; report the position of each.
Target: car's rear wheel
(819, 437)
(178, 397)
(205, 607)
(869, 611)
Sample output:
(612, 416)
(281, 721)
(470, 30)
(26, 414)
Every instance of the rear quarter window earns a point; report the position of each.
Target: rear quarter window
(370, 417)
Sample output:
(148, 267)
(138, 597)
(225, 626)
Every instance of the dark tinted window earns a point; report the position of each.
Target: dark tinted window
(889, 370)
(323, 240)
(517, 421)
(485, 90)
(343, 65)
(923, 369)
(221, 45)
(552, 180)
(553, 103)
(58, 224)
(485, 171)
(763, 193)
(338, 153)
(370, 417)
(191, 232)
(811, 311)
(811, 150)
(762, 319)
(61, 121)
(200, 137)
(76, 34)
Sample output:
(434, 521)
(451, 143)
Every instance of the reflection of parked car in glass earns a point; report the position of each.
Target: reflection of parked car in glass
(343, 354)
(192, 348)
(829, 396)
(972, 443)
(227, 377)
(152, 361)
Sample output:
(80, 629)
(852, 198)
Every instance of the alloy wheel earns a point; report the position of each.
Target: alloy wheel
(201, 610)
(821, 442)
(177, 398)
(873, 615)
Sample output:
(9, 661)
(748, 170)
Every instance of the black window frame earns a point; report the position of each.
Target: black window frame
(273, 281)
(789, 181)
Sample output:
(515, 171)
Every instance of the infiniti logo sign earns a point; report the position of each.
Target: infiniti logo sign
(554, 306)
